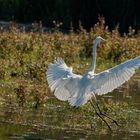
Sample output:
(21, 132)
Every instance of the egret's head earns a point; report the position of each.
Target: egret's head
(98, 40)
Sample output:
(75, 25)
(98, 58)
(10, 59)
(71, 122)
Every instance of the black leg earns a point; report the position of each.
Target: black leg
(99, 115)
(105, 115)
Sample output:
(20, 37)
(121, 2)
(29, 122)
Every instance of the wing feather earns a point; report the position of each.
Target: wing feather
(60, 76)
(112, 78)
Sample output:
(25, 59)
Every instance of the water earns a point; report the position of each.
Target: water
(19, 132)
(57, 120)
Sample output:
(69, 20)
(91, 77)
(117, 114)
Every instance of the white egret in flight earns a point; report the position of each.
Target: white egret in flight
(79, 89)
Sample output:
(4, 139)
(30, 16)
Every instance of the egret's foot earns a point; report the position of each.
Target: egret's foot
(113, 120)
(105, 115)
(99, 115)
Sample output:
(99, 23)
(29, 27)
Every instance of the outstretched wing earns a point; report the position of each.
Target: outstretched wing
(60, 76)
(110, 79)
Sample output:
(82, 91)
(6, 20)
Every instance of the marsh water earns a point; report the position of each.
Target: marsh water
(46, 122)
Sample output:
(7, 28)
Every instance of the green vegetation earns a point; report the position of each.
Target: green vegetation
(24, 58)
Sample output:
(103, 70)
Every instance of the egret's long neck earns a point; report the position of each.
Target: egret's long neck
(93, 65)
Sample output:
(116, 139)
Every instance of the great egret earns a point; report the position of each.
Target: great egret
(78, 89)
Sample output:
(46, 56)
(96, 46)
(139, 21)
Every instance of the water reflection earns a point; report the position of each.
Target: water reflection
(60, 121)
(17, 132)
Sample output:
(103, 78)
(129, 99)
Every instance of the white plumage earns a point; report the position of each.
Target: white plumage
(78, 89)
